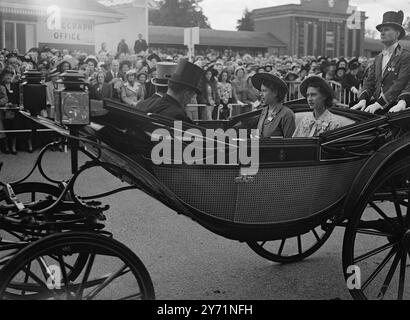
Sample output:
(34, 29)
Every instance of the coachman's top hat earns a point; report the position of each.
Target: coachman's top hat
(188, 74)
(395, 20)
(165, 70)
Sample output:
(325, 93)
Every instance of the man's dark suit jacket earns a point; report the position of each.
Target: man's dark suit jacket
(145, 105)
(169, 107)
(385, 88)
(140, 45)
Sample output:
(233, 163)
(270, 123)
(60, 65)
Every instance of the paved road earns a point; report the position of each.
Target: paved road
(189, 263)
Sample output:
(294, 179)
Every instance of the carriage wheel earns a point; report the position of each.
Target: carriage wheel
(377, 238)
(29, 193)
(112, 271)
(292, 250)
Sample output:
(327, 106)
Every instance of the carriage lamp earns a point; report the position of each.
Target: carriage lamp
(33, 96)
(72, 102)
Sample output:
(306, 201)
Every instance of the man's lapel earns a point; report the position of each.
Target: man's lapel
(393, 60)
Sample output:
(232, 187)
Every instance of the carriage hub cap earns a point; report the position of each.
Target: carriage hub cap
(406, 241)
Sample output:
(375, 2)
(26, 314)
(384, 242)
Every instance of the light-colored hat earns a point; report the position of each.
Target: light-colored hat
(165, 70)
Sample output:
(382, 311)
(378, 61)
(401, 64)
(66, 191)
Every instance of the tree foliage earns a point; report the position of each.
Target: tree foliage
(179, 13)
(407, 26)
(246, 23)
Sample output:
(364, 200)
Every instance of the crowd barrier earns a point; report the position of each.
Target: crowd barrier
(197, 112)
(343, 96)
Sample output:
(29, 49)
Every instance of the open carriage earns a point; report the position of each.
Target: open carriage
(356, 177)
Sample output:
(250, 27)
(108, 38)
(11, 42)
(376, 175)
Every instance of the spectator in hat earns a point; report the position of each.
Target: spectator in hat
(165, 70)
(140, 45)
(276, 120)
(142, 78)
(351, 82)
(340, 74)
(319, 95)
(63, 66)
(132, 91)
(101, 90)
(125, 66)
(390, 73)
(182, 87)
(240, 85)
(226, 94)
(51, 84)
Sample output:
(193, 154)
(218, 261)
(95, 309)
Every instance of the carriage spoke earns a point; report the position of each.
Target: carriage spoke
(282, 245)
(374, 252)
(379, 268)
(64, 274)
(90, 264)
(402, 276)
(374, 233)
(300, 244)
(316, 235)
(136, 295)
(389, 276)
(397, 205)
(381, 213)
(103, 285)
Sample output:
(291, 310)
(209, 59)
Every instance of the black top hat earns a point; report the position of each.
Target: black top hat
(316, 81)
(259, 78)
(154, 56)
(395, 20)
(188, 74)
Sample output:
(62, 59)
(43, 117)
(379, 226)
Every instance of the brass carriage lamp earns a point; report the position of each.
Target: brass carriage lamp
(72, 102)
(33, 93)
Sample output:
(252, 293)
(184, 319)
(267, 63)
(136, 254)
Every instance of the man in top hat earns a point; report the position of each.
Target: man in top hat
(165, 70)
(182, 86)
(390, 73)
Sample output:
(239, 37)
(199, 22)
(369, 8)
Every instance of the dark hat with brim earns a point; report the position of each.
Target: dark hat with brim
(260, 78)
(125, 62)
(290, 75)
(316, 81)
(154, 56)
(188, 74)
(213, 71)
(341, 68)
(354, 64)
(395, 20)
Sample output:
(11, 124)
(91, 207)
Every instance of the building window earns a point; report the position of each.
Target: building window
(19, 35)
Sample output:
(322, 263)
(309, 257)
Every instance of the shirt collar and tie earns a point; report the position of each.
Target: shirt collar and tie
(387, 55)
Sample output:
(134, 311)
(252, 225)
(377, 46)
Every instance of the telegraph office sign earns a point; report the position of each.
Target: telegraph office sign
(57, 28)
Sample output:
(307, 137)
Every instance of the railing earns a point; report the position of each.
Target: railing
(196, 111)
(343, 96)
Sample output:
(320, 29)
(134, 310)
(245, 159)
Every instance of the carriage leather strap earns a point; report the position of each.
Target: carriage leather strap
(12, 196)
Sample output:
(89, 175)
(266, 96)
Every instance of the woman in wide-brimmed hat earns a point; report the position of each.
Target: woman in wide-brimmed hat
(276, 119)
(319, 95)
(132, 91)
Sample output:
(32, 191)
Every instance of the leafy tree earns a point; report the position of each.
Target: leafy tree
(246, 23)
(407, 26)
(179, 13)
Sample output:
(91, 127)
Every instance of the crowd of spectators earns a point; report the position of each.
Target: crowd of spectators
(127, 77)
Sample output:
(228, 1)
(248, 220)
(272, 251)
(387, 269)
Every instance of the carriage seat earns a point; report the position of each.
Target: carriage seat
(344, 121)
